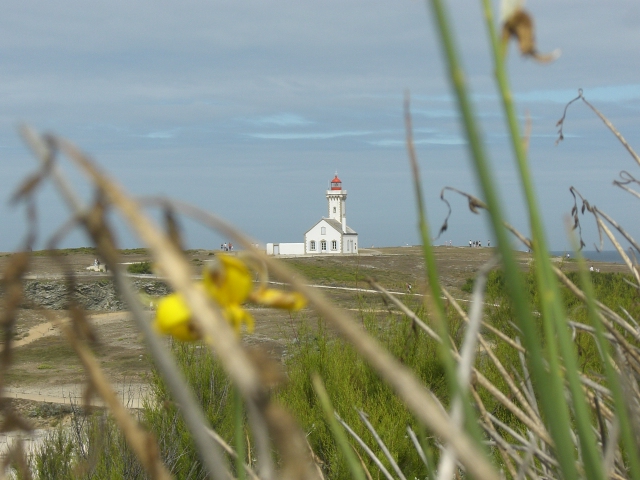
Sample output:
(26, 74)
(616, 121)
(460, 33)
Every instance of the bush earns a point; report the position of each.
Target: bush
(140, 268)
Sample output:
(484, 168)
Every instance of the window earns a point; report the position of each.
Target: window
(334, 209)
(334, 245)
(323, 230)
(312, 245)
(323, 245)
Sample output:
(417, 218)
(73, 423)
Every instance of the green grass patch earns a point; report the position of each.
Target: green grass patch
(140, 268)
(46, 351)
(66, 251)
(326, 272)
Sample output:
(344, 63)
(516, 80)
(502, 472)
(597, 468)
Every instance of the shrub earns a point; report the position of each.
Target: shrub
(140, 268)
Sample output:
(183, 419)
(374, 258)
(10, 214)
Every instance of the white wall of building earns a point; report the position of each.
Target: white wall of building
(337, 200)
(322, 231)
(350, 244)
(285, 249)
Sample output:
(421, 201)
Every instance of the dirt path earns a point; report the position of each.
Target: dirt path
(35, 333)
(47, 329)
(132, 395)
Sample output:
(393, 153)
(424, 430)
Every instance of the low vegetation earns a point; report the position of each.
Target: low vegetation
(353, 387)
(140, 268)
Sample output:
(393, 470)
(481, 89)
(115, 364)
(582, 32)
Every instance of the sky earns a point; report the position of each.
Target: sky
(248, 108)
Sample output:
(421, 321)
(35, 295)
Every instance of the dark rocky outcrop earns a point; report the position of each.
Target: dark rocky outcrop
(100, 295)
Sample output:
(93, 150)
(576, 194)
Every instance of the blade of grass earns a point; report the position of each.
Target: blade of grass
(552, 308)
(238, 414)
(381, 444)
(514, 281)
(338, 434)
(465, 365)
(529, 421)
(366, 448)
(464, 412)
(613, 379)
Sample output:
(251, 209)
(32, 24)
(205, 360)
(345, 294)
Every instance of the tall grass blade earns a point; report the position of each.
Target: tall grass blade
(239, 434)
(366, 448)
(466, 363)
(623, 420)
(556, 416)
(338, 434)
(434, 298)
(383, 447)
(552, 308)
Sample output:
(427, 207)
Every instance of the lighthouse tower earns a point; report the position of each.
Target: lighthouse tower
(337, 200)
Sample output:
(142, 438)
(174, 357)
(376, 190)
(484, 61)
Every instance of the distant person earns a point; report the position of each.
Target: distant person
(469, 243)
(488, 243)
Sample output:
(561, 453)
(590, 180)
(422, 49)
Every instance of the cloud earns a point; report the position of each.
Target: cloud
(160, 134)
(436, 140)
(435, 113)
(309, 135)
(610, 93)
(282, 120)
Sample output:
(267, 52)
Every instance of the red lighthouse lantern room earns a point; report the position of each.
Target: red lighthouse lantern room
(336, 183)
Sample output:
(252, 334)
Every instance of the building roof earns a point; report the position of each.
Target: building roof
(336, 179)
(336, 225)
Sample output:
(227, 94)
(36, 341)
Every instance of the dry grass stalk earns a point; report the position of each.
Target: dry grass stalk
(529, 421)
(216, 332)
(465, 364)
(232, 453)
(366, 448)
(141, 442)
(365, 419)
(192, 412)
(409, 389)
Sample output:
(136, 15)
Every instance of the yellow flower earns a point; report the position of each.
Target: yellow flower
(238, 316)
(230, 284)
(279, 299)
(173, 317)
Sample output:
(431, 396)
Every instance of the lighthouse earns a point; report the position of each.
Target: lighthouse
(337, 200)
(332, 235)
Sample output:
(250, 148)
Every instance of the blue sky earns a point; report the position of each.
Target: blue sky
(248, 108)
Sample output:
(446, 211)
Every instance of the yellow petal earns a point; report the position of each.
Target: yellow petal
(237, 316)
(173, 317)
(279, 299)
(230, 282)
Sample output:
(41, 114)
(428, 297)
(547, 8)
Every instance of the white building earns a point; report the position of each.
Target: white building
(331, 235)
